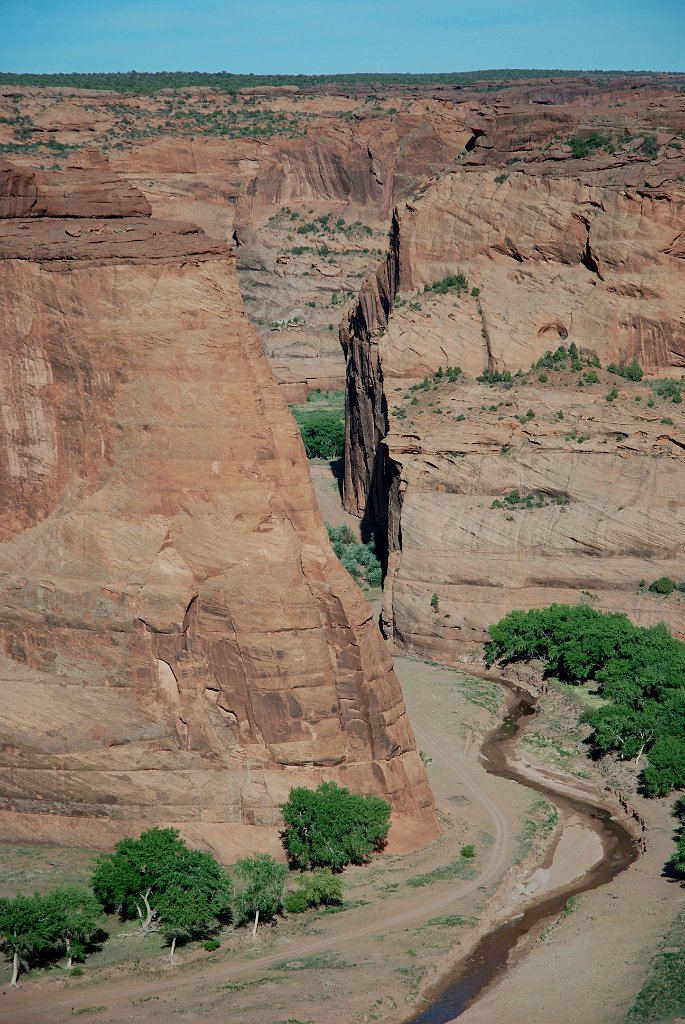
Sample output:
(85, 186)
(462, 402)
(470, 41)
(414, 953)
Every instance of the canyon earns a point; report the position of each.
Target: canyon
(493, 273)
(179, 643)
(126, 443)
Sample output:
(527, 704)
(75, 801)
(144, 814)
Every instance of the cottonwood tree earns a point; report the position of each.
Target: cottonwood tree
(331, 827)
(159, 880)
(262, 892)
(72, 918)
(25, 930)
(639, 672)
(196, 893)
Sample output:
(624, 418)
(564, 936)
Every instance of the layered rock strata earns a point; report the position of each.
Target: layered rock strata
(178, 642)
(554, 252)
(268, 166)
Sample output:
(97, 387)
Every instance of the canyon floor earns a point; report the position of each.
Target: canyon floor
(409, 918)
(564, 203)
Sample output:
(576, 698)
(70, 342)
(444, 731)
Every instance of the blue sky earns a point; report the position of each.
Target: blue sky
(328, 36)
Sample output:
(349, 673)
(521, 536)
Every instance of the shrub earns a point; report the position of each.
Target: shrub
(668, 388)
(664, 585)
(331, 827)
(632, 371)
(321, 888)
(435, 602)
(495, 376)
(449, 283)
(359, 559)
(296, 902)
(211, 944)
(583, 146)
(468, 851)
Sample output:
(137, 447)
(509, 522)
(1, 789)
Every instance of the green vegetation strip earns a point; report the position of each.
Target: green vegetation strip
(148, 82)
(639, 671)
(458, 868)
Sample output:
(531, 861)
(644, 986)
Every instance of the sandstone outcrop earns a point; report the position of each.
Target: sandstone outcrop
(178, 643)
(552, 250)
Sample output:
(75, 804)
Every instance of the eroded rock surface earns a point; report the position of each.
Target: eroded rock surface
(552, 249)
(178, 642)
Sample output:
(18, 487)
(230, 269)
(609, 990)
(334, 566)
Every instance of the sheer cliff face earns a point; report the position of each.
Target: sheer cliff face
(558, 251)
(179, 643)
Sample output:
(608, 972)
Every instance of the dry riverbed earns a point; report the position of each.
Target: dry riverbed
(408, 919)
(405, 914)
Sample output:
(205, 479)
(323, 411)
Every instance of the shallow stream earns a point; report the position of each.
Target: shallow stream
(459, 989)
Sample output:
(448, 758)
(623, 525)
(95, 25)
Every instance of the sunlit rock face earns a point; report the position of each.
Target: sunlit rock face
(179, 644)
(556, 250)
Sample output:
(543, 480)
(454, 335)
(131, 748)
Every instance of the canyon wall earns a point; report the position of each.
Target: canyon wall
(178, 643)
(530, 252)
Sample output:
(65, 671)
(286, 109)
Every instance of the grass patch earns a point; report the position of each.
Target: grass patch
(25, 868)
(449, 921)
(662, 997)
(457, 868)
(338, 908)
(535, 828)
(328, 960)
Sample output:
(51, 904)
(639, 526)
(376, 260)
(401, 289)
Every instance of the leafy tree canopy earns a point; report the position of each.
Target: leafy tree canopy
(639, 671)
(27, 930)
(262, 892)
(186, 889)
(331, 827)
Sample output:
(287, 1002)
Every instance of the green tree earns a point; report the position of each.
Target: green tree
(323, 434)
(666, 768)
(331, 827)
(131, 878)
(73, 916)
(639, 671)
(321, 888)
(195, 893)
(26, 930)
(262, 892)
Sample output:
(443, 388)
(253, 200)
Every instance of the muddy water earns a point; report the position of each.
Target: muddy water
(489, 959)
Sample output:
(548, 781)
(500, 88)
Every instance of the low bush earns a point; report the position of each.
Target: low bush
(321, 888)
(449, 283)
(664, 585)
(359, 559)
(632, 371)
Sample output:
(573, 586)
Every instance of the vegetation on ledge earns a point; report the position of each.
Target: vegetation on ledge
(639, 672)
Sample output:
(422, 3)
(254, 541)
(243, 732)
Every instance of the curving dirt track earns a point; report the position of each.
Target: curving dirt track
(39, 1005)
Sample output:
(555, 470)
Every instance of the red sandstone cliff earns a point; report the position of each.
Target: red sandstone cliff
(178, 642)
(556, 250)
